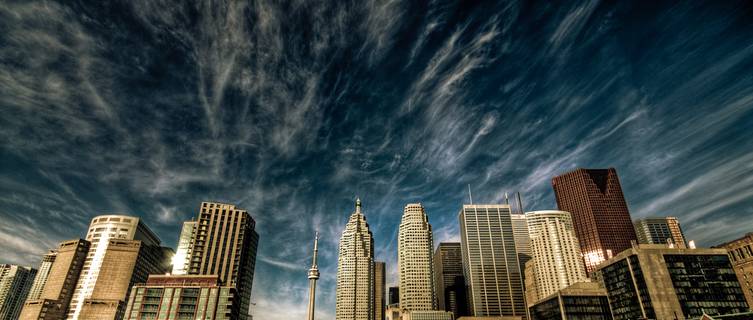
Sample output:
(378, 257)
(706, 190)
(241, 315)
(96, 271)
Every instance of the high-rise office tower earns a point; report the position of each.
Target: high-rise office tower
(449, 280)
(313, 277)
(56, 294)
(379, 284)
(600, 214)
(415, 244)
(490, 261)
(225, 244)
(123, 251)
(557, 262)
(15, 283)
(42, 274)
(355, 270)
(522, 240)
(740, 253)
(660, 231)
(394, 296)
(182, 258)
(182, 297)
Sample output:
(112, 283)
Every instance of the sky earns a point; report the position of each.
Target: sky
(292, 109)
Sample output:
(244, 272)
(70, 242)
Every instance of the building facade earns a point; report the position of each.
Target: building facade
(556, 259)
(379, 293)
(490, 261)
(599, 211)
(415, 244)
(659, 282)
(15, 283)
(582, 301)
(740, 253)
(449, 280)
(660, 231)
(355, 270)
(225, 244)
(182, 258)
(427, 315)
(42, 274)
(522, 238)
(182, 297)
(57, 291)
(394, 296)
(123, 252)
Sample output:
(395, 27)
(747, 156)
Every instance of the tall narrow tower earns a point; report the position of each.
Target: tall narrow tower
(313, 276)
(414, 259)
(355, 270)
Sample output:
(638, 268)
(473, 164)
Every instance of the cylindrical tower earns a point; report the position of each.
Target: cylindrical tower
(313, 276)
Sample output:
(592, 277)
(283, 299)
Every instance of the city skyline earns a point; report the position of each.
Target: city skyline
(292, 109)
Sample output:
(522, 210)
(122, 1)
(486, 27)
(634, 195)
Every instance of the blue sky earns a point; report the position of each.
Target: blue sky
(292, 109)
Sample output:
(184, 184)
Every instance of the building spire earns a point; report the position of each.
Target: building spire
(313, 276)
(358, 205)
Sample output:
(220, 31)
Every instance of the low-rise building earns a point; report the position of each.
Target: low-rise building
(183, 297)
(582, 300)
(659, 282)
(740, 253)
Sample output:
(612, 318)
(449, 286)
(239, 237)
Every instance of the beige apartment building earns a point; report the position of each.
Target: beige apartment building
(556, 260)
(415, 244)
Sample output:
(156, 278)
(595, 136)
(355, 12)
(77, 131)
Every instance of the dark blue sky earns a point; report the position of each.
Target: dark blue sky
(292, 109)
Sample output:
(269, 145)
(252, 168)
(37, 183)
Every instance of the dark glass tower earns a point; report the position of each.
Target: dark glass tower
(599, 210)
(449, 280)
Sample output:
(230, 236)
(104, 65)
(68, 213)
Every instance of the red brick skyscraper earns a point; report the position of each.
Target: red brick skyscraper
(599, 211)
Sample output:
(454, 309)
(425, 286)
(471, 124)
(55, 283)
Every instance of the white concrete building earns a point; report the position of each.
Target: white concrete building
(556, 258)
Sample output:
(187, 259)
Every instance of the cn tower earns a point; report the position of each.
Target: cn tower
(313, 276)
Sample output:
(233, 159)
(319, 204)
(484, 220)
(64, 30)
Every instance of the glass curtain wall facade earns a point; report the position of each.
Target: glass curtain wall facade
(490, 261)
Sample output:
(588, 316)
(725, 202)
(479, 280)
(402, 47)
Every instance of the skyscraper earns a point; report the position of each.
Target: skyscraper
(490, 261)
(123, 251)
(42, 274)
(355, 270)
(225, 244)
(600, 214)
(449, 280)
(660, 231)
(556, 259)
(379, 286)
(182, 258)
(55, 297)
(522, 239)
(414, 259)
(394, 296)
(15, 283)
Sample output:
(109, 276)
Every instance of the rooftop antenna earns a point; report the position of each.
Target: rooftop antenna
(470, 196)
(520, 202)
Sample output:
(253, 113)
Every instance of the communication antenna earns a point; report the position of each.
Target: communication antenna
(520, 203)
(470, 196)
